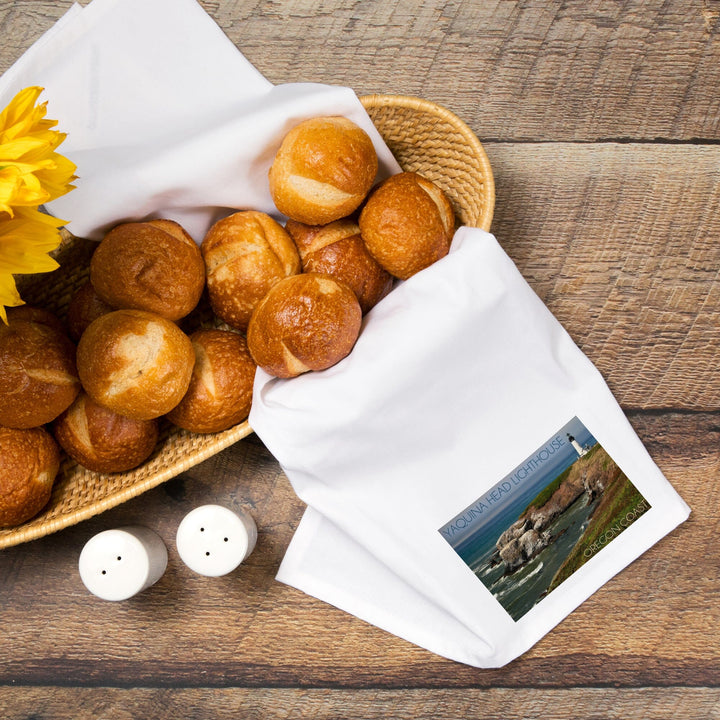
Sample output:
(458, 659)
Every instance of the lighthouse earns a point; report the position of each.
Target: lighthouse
(578, 449)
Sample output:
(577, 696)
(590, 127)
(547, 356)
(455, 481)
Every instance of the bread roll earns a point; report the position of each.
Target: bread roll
(135, 363)
(323, 170)
(306, 322)
(407, 224)
(101, 440)
(338, 249)
(85, 306)
(220, 392)
(245, 255)
(154, 266)
(29, 313)
(38, 377)
(29, 462)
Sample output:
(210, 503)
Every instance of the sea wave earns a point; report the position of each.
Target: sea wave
(483, 571)
(512, 587)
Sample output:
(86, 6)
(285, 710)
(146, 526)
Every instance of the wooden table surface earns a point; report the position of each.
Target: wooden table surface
(601, 119)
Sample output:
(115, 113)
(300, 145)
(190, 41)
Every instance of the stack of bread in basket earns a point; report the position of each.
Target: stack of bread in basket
(290, 300)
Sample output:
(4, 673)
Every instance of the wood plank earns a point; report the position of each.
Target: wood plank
(519, 70)
(246, 629)
(326, 704)
(523, 70)
(621, 242)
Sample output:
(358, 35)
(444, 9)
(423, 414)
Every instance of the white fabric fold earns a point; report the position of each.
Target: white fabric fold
(164, 116)
(326, 563)
(458, 377)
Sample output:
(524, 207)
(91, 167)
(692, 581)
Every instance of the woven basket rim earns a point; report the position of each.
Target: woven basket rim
(410, 102)
(23, 534)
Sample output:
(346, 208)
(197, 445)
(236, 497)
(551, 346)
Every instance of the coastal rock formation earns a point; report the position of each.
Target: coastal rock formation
(522, 548)
(526, 537)
(513, 532)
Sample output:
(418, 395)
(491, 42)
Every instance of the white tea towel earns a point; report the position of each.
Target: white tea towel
(470, 477)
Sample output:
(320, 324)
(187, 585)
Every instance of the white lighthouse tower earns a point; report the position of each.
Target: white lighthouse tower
(578, 449)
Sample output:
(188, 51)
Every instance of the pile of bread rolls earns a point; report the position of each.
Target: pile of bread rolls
(289, 299)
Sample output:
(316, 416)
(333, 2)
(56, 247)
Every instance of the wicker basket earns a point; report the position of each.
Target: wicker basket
(424, 138)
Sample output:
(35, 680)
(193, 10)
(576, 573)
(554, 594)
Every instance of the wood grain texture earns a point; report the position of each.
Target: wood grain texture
(328, 704)
(621, 242)
(514, 70)
(651, 625)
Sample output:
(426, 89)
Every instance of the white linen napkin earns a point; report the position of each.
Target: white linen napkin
(462, 401)
(410, 452)
(164, 116)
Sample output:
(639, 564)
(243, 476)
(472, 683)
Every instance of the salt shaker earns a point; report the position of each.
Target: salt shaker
(213, 540)
(118, 564)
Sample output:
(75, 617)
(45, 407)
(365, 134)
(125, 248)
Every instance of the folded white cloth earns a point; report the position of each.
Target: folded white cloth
(164, 116)
(462, 401)
(454, 412)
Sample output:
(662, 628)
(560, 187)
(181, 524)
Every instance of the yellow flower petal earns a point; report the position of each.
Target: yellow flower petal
(10, 185)
(56, 181)
(35, 216)
(27, 141)
(16, 149)
(9, 296)
(25, 241)
(25, 264)
(18, 119)
(31, 173)
(20, 105)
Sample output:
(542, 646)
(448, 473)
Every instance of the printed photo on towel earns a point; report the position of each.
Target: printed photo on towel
(545, 519)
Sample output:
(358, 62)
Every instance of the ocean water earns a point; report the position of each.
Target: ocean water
(480, 544)
(521, 591)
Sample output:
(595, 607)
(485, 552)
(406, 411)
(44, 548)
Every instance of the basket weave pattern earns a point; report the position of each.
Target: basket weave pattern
(424, 137)
(430, 140)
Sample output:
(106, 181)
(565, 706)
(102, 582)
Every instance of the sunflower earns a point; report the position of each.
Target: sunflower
(31, 173)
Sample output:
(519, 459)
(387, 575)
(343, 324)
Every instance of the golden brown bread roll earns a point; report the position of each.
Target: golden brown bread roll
(323, 170)
(407, 224)
(220, 392)
(135, 363)
(38, 377)
(154, 266)
(29, 313)
(338, 249)
(85, 306)
(306, 322)
(245, 255)
(29, 462)
(101, 440)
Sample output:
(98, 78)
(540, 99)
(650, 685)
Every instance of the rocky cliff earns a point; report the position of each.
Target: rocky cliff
(529, 535)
